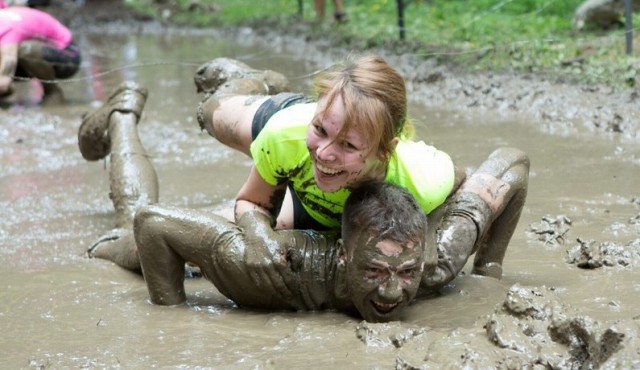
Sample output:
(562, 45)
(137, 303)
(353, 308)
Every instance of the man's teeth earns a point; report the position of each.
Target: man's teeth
(384, 307)
(327, 170)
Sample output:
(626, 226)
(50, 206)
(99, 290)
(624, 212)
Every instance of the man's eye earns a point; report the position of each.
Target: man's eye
(373, 272)
(407, 273)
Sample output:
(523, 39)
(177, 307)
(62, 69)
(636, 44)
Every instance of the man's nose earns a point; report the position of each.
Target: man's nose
(391, 290)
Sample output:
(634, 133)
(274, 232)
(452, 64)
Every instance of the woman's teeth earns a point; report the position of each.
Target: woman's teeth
(327, 170)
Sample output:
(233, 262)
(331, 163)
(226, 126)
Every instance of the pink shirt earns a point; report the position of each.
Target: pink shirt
(21, 23)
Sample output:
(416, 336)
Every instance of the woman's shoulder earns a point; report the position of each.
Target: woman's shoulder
(419, 150)
(427, 172)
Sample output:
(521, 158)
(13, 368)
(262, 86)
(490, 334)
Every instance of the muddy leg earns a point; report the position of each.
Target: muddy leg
(94, 141)
(212, 75)
(133, 183)
(167, 237)
(510, 168)
(481, 217)
(233, 93)
(227, 114)
(133, 180)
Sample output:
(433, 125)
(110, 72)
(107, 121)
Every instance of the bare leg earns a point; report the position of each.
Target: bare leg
(339, 14)
(481, 216)
(229, 119)
(319, 7)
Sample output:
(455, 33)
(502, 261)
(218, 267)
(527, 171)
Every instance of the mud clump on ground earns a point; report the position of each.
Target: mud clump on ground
(531, 329)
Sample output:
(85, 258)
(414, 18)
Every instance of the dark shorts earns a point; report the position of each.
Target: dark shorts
(301, 219)
(65, 62)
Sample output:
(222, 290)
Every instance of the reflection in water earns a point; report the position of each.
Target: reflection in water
(60, 309)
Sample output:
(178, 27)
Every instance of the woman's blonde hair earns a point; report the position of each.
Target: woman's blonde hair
(374, 96)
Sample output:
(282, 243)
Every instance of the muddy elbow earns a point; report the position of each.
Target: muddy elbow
(512, 155)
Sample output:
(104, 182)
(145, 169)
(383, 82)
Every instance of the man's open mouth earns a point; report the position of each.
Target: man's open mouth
(384, 308)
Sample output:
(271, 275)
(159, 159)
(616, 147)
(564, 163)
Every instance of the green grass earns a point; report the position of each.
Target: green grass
(525, 36)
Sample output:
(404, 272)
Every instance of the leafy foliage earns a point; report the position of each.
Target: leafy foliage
(530, 36)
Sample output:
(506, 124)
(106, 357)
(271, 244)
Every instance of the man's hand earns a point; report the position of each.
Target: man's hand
(266, 255)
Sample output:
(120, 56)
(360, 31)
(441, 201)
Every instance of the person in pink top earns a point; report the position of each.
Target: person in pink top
(33, 44)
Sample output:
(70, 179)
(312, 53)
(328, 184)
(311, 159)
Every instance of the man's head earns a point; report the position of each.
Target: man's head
(382, 249)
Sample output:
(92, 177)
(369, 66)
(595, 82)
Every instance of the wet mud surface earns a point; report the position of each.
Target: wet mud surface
(568, 298)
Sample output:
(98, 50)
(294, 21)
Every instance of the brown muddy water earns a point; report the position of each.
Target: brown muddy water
(60, 309)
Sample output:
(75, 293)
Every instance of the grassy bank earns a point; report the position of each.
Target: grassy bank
(526, 36)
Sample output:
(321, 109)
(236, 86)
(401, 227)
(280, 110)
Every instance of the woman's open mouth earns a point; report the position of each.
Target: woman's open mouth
(326, 171)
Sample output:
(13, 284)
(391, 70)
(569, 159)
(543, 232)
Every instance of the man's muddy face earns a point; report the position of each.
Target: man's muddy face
(383, 277)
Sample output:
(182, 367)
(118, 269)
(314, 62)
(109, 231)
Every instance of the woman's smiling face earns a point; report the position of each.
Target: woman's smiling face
(340, 160)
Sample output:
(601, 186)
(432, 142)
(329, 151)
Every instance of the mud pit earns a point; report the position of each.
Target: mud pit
(569, 294)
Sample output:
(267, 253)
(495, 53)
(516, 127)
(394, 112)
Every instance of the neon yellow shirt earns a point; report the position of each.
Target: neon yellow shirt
(281, 156)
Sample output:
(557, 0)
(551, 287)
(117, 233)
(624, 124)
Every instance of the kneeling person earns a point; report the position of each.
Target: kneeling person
(33, 44)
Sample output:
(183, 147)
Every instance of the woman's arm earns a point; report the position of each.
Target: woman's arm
(256, 194)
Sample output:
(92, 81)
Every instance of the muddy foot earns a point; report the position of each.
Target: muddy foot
(212, 75)
(491, 269)
(93, 135)
(119, 247)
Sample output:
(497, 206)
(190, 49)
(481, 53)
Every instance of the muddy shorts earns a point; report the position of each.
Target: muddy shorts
(301, 219)
(65, 62)
(273, 105)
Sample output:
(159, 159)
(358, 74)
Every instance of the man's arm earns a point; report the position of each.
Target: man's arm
(8, 65)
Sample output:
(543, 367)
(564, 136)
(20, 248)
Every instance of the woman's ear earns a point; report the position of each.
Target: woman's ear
(384, 157)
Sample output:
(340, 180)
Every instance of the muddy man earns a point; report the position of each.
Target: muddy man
(383, 258)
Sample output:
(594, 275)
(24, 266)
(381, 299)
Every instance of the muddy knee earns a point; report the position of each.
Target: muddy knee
(148, 223)
(204, 113)
(505, 158)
